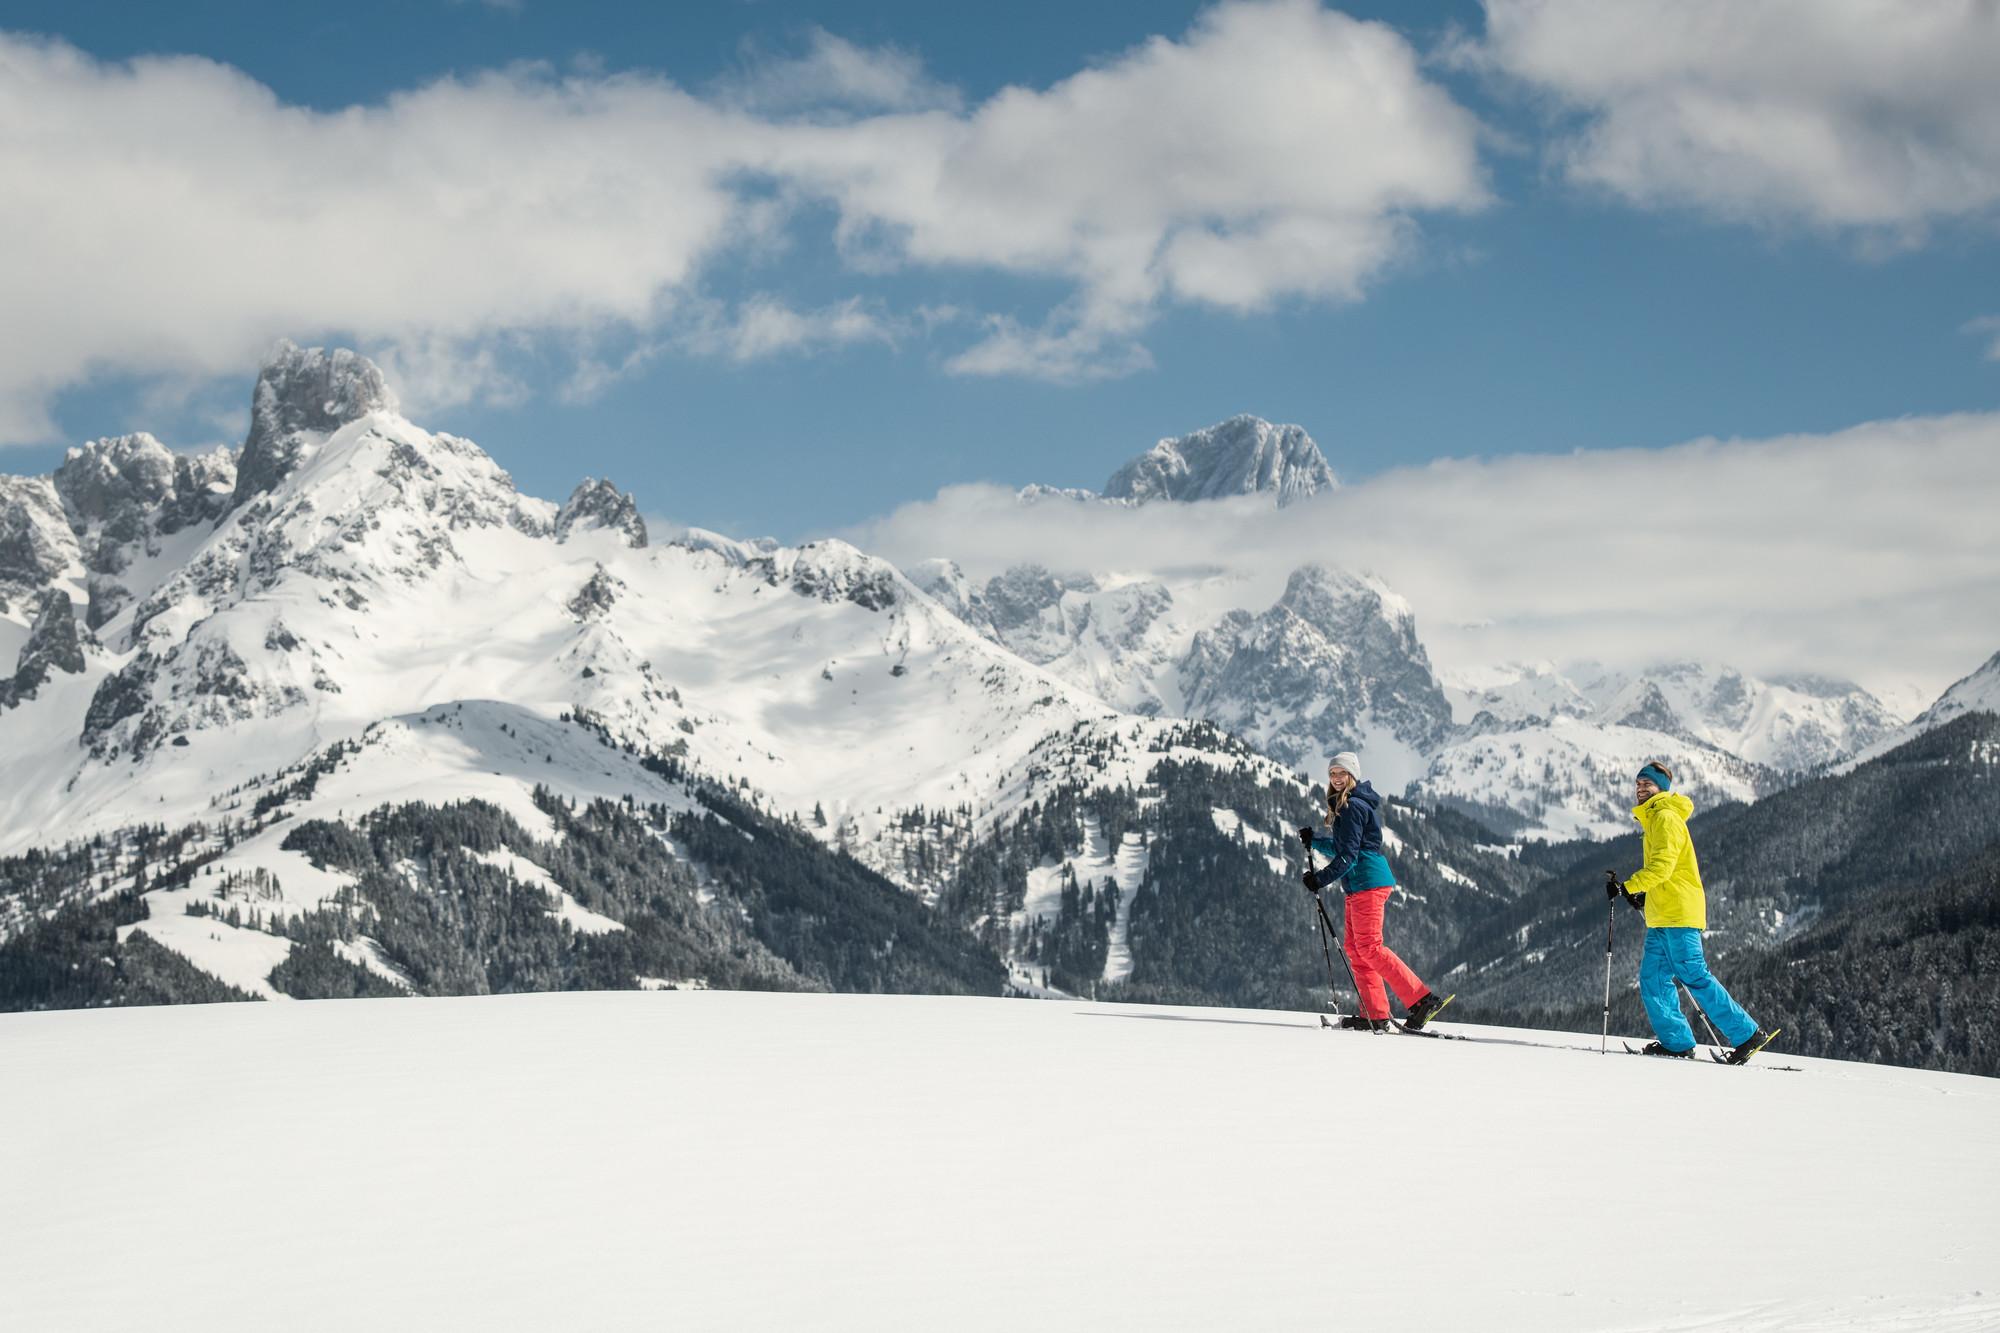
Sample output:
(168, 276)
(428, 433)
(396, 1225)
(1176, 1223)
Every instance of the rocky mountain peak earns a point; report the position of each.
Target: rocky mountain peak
(36, 544)
(55, 643)
(1244, 455)
(104, 476)
(119, 490)
(1337, 601)
(596, 503)
(301, 392)
(1334, 664)
(833, 571)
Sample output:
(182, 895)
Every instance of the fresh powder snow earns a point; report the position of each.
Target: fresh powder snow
(718, 1160)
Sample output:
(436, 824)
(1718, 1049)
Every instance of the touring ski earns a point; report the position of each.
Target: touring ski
(1720, 1059)
(1394, 1026)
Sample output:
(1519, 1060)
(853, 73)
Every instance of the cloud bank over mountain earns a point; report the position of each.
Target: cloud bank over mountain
(1864, 554)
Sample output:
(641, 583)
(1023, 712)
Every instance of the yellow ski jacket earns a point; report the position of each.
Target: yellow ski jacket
(1671, 877)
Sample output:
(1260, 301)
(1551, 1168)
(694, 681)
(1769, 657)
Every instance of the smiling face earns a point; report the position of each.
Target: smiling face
(1338, 779)
(1646, 789)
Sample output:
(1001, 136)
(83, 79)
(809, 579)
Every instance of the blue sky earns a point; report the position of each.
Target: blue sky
(1535, 291)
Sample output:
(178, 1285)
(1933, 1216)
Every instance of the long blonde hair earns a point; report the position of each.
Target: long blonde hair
(1335, 804)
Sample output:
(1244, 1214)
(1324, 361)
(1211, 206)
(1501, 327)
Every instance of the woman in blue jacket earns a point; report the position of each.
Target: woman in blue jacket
(1352, 844)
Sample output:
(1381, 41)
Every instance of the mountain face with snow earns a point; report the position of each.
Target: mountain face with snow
(1788, 723)
(302, 396)
(596, 503)
(1120, 642)
(1337, 664)
(1333, 664)
(347, 568)
(1244, 455)
(1978, 692)
(1539, 748)
(1571, 778)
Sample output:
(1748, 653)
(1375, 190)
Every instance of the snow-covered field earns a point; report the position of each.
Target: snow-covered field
(707, 1160)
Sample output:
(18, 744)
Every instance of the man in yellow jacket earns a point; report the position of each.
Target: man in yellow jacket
(1668, 888)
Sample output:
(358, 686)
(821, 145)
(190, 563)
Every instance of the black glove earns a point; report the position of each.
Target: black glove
(1638, 900)
(1311, 880)
(1306, 838)
(1612, 888)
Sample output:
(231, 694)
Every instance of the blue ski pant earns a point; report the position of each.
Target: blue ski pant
(1674, 953)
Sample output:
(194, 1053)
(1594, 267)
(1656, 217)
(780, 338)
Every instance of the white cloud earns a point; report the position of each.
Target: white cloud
(171, 216)
(1867, 553)
(1277, 149)
(432, 372)
(766, 326)
(1063, 352)
(1841, 114)
(835, 74)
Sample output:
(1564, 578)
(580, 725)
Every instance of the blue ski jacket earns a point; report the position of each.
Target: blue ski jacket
(1353, 846)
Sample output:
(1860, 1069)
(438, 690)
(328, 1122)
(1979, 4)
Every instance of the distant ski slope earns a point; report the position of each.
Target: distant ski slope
(713, 1160)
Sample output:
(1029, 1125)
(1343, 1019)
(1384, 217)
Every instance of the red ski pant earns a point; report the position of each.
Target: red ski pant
(1375, 962)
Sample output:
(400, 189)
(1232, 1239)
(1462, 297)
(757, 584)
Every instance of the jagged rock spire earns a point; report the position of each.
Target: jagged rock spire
(303, 391)
(598, 503)
(55, 643)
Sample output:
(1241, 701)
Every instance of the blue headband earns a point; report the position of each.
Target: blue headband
(1657, 778)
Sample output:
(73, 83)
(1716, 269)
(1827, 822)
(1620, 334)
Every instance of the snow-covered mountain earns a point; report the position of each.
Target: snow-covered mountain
(1244, 455)
(347, 568)
(175, 625)
(1790, 723)
(1556, 749)
(1569, 777)
(1978, 692)
(267, 675)
(1335, 663)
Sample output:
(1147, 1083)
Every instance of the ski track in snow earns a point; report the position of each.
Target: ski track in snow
(1092, 866)
(733, 1160)
(1128, 872)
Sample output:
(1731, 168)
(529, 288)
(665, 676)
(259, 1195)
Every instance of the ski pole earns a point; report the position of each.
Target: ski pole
(1610, 916)
(1700, 1013)
(1319, 925)
(1332, 986)
(1326, 929)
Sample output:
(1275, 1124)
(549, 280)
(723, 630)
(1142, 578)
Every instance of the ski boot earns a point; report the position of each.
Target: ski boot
(1424, 1010)
(1756, 1042)
(1654, 1048)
